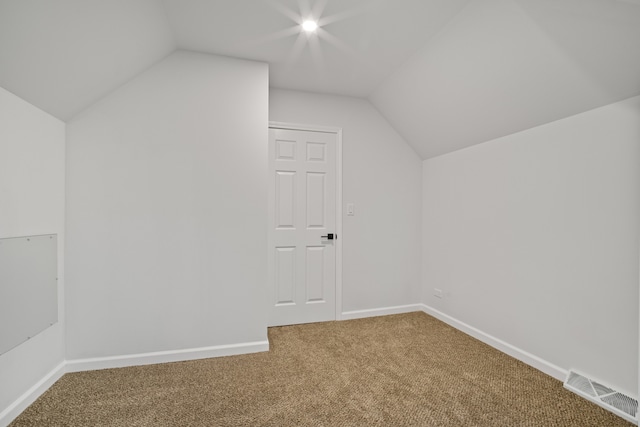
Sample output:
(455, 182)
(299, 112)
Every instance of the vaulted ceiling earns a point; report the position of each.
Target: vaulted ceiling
(447, 74)
(503, 66)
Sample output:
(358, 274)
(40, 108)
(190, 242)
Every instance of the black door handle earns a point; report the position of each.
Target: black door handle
(330, 236)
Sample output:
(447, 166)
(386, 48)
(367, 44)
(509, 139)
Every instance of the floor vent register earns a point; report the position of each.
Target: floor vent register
(608, 398)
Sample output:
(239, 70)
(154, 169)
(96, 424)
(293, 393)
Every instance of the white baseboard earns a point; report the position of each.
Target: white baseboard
(528, 358)
(77, 365)
(10, 413)
(95, 363)
(30, 396)
(384, 311)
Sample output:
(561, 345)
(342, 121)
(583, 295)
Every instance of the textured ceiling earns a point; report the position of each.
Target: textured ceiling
(446, 73)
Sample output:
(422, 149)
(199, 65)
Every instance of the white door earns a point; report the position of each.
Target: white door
(302, 217)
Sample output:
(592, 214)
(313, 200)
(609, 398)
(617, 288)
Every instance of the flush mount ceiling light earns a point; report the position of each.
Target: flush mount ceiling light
(309, 26)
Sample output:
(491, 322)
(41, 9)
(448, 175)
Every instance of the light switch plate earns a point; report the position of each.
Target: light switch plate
(350, 209)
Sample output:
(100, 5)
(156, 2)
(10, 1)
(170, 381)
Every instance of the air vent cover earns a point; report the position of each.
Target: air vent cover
(611, 400)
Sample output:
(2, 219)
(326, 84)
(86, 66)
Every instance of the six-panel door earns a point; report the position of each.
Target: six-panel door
(302, 209)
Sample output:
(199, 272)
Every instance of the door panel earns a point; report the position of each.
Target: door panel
(285, 275)
(302, 209)
(316, 200)
(285, 200)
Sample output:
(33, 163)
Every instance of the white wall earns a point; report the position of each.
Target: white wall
(533, 238)
(32, 145)
(381, 175)
(167, 210)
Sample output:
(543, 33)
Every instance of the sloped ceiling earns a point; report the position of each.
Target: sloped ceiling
(503, 66)
(63, 55)
(358, 44)
(446, 73)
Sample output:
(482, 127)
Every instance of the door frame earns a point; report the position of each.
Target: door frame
(338, 243)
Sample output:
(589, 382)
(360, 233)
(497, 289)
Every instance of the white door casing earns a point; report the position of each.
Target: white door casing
(303, 207)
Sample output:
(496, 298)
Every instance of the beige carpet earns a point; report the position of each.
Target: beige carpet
(402, 370)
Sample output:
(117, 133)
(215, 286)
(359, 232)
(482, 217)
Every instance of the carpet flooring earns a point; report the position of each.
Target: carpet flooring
(401, 370)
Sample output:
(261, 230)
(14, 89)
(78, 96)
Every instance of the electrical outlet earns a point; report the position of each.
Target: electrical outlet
(437, 293)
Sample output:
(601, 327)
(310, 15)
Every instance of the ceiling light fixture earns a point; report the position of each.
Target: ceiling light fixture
(309, 26)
